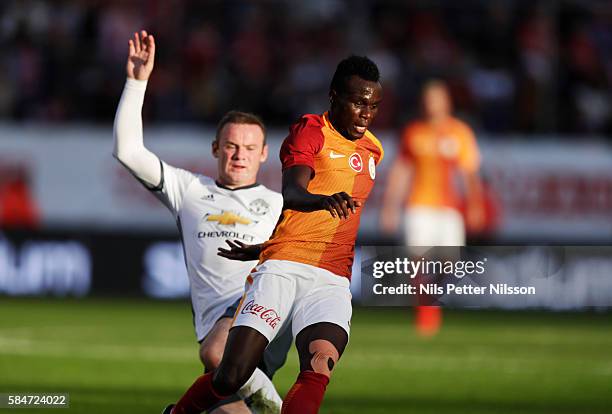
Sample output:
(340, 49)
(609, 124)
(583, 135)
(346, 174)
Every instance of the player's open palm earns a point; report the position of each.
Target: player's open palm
(141, 56)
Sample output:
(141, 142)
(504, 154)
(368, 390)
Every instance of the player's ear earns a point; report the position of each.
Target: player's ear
(215, 148)
(332, 96)
(264, 153)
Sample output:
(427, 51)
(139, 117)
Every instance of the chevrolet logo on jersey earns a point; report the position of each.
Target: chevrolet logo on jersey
(227, 218)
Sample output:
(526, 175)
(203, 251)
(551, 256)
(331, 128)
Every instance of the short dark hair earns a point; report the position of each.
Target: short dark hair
(360, 66)
(239, 117)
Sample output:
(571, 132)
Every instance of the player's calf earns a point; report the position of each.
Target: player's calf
(230, 377)
(306, 396)
(238, 364)
(324, 356)
(235, 368)
(320, 347)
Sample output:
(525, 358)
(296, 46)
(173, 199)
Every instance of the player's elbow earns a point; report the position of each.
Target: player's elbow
(116, 154)
(293, 201)
(122, 155)
(117, 148)
(293, 195)
(288, 203)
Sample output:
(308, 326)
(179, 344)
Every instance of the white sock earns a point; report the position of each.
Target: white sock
(260, 381)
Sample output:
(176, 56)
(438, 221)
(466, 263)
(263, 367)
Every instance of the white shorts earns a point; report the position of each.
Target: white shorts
(283, 291)
(434, 226)
(205, 314)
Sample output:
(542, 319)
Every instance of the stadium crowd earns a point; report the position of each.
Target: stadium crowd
(528, 67)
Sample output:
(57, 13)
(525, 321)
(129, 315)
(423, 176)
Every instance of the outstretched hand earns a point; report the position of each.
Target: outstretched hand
(141, 56)
(240, 251)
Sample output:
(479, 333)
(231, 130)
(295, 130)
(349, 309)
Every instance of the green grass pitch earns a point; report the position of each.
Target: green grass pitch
(133, 356)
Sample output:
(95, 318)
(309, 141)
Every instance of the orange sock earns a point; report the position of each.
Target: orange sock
(199, 397)
(428, 320)
(306, 395)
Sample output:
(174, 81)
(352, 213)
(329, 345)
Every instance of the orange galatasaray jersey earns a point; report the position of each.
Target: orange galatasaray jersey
(338, 164)
(434, 155)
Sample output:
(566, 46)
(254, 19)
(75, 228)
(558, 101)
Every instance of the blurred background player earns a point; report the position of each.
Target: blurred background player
(207, 212)
(438, 155)
(18, 209)
(329, 165)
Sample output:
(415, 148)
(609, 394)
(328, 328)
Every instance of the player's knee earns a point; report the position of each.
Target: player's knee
(229, 379)
(324, 356)
(211, 357)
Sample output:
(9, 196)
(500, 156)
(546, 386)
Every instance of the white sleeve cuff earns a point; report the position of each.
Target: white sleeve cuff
(136, 84)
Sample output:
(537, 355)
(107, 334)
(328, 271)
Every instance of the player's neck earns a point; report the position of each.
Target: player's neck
(339, 131)
(438, 119)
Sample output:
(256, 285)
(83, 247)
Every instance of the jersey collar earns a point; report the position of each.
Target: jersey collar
(328, 123)
(237, 188)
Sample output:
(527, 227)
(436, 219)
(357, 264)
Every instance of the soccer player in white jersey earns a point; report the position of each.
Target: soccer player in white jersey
(208, 212)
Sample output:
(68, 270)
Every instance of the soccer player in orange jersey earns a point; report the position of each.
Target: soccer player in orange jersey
(433, 153)
(329, 166)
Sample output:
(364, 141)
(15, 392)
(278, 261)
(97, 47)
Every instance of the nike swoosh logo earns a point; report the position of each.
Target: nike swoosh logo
(333, 155)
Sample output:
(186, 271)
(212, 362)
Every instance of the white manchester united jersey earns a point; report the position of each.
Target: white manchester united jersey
(207, 215)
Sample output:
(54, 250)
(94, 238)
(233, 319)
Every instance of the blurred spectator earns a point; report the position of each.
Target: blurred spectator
(513, 66)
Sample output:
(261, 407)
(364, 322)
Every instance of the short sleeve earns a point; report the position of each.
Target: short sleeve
(175, 182)
(305, 140)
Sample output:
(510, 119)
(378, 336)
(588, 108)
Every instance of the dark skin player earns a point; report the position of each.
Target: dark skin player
(354, 108)
(351, 112)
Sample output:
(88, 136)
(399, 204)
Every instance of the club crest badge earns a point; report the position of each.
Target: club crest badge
(259, 207)
(355, 162)
(372, 167)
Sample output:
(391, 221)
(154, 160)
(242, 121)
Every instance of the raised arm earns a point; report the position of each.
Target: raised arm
(297, 197)
(129, 147)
